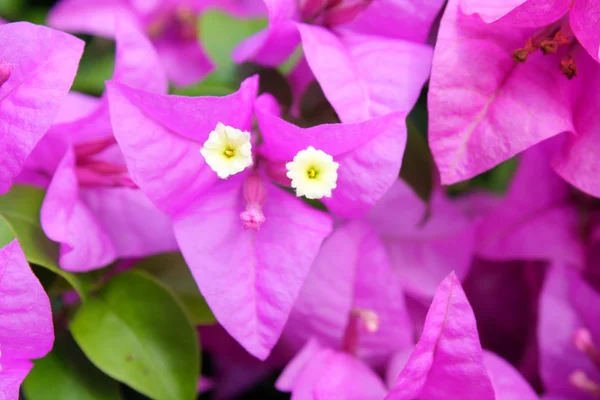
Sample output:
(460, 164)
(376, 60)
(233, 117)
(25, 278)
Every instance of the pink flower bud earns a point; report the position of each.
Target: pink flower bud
(254, 194)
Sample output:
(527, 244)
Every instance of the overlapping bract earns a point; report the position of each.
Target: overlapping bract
(485, 107)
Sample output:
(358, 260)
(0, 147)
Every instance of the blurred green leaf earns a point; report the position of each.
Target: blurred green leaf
(291, 62)
(172, 270)
(10, 9)
(66, 374)
(219, 34)
(495, 180)
(417, 164)
(35, 15)
(96, 67)
(500, 177)
(20, 218)
(212, 85)
(137, 332)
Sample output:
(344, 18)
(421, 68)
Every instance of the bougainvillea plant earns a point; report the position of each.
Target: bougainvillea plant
(299, 199)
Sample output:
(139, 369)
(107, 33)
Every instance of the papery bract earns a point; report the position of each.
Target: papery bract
(448, 362)
(91, 206)
(493, 94)
(582, 16)
(250, 273)
(366, 67)
(539, 217)
(26, 330)
(38, 68)
(170, 25)
(448, 355)
(351, 273)
(319, 372)
(429, 243)
(369, 154)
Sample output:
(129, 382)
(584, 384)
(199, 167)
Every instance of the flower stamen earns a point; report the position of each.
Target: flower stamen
(568, 67)
(549, 41)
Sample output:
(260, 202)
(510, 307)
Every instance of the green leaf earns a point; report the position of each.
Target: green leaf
(495, 180)
(212, 85)
(11, 9)
(20, 218)
(66, 374)
(96, 67)
(137, 332)
(286, 66)
(172, 270)
(219, 46)
(219, 34)
(417, 164)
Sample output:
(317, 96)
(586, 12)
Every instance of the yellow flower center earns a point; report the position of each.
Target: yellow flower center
(229, 153)
(312, 173)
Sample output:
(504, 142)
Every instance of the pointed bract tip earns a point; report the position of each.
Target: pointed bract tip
(452, 276)
(251, 84)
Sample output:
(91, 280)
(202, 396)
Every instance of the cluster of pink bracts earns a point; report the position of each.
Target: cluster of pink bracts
(363, 301)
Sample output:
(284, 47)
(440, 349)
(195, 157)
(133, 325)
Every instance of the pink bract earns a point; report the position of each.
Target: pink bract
(26, 329)
(41, 66)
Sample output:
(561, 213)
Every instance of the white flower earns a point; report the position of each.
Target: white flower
(313, 173)
(227, 150)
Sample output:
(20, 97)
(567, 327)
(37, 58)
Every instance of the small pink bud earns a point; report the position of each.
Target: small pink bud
(6, 71)
(254, 194)
(345, 12)
(254, 190)
(252, 218)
